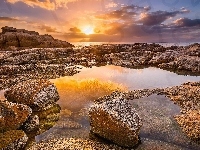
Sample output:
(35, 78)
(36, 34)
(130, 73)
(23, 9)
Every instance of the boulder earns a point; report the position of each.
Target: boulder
(38, 94)
(116, 120)
(12, 115)
(13, 140)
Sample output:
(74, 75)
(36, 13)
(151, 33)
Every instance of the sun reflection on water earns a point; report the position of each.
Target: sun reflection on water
(77, 93)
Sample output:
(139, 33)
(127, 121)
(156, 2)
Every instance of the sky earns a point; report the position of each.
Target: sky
(106, 20)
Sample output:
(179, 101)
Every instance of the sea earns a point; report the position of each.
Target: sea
(82, 44)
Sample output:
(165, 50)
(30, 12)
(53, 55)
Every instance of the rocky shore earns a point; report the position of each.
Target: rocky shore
(47, 63)
(114, 106)
(188, 120)
(29, 109)
(28, 60)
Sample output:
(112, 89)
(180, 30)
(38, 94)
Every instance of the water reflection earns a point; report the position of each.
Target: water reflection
(76, 93)
(47, 119)
(136, 78)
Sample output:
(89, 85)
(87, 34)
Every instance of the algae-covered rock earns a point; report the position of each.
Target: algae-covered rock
(38, 94)
(190, 123)
(116, 120)
(47, 119)
(13, 140)
(12, 115)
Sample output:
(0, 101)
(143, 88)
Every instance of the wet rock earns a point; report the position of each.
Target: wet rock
(193, 50)
(38, 94)
(186, 95)
(12, 115)
(163, 57)
(190, 123)
(47, 119)
(116, 120)
(185, 62)
(32, 124)
(13, 140)
(73, 143)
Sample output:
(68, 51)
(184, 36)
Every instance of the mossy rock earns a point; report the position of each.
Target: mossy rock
(12, 115)
(43, 114)
(13, 140)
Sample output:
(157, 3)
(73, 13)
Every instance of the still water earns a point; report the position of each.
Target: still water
(78, 92)
(135, 78)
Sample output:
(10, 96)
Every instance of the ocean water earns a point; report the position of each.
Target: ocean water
(82, 44)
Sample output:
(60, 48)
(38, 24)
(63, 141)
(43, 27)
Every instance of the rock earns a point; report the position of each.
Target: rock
(190, 123)
(32, 124)
(116, 120)
(22, 38)
(13, 140)
(38, 94)
(186, 95)
(73, 144)
(47, 119)
(12, 115)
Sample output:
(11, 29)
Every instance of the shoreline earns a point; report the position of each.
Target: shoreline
(50, 63)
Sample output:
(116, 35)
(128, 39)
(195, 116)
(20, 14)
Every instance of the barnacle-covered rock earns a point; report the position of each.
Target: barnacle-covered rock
(186, 95)
(31, 124)
(12, 115)
(38, 94)
(13, 140)
(190, 123)
(116, 120)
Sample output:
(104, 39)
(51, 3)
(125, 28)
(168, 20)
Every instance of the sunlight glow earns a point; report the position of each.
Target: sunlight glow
(88, 30)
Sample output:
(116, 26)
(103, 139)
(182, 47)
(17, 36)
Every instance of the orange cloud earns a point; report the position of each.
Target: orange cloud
(75, 30)
(45, 4)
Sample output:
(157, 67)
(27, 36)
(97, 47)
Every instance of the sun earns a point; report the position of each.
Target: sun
(88, 30)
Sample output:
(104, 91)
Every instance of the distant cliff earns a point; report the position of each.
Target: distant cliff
(12, 38)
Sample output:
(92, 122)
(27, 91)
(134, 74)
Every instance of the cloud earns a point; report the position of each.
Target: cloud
(45, 4)
(186, 22)
(111, 5)
(141, 23)
(159, 17)
(75, 30)
(125, 13)
(8, 19)
(46, 28)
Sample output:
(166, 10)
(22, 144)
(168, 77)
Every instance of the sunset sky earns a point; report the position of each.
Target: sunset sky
(106, 20)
